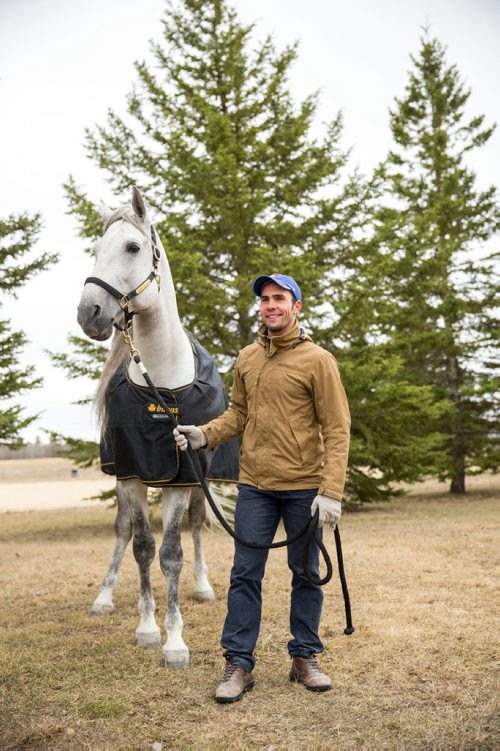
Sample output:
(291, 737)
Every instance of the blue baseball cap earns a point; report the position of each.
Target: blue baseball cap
(287, 282)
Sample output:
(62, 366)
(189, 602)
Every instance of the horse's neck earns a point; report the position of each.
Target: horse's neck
(163, 344)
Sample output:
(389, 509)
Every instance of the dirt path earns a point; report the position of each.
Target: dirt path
(46, 495)
(47, 484)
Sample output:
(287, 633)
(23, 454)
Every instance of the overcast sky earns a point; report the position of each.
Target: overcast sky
(64, 62)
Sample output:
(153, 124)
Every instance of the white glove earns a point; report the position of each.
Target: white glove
(196, 437)
(329, 510)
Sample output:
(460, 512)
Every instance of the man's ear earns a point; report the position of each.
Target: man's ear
(298, 306)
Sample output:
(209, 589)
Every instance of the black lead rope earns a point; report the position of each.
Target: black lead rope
(308, 532)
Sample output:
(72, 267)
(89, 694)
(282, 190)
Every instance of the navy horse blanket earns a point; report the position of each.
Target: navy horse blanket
(138, 442)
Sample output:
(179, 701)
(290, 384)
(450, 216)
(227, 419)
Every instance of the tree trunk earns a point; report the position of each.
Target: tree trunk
(458, 438)
(245, 328)
(457, 485)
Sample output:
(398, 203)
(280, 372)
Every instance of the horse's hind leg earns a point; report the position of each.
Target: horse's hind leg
(103, 604)
(175, 651)
(197, 517)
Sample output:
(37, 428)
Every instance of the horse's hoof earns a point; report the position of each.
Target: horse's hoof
(206, 595)
(176, 659)
(148, 639)
(101, 609)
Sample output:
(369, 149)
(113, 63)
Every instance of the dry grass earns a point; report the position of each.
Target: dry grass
(417, 673)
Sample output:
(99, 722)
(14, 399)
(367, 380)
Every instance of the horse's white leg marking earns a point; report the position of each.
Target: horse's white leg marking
(103, 603)
(175, 651)
(197, 516)
(147, 633)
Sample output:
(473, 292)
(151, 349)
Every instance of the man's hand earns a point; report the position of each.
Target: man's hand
(329, 510)
(185, 433)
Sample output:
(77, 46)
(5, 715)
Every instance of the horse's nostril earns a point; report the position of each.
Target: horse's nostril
(97, 311)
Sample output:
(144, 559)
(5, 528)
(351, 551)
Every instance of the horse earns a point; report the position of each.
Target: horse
(129, 256)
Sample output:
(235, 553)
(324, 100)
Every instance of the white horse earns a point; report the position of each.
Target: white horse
(125, 257)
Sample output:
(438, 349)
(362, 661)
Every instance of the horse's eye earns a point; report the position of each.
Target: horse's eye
(133, 248)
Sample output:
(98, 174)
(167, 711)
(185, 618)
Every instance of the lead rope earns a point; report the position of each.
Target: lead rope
(308, 532)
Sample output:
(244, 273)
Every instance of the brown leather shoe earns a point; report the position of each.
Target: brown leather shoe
(235, 682)
(306, 670)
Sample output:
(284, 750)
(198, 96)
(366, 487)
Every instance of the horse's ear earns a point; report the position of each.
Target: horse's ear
(138, 203)
(104, 210)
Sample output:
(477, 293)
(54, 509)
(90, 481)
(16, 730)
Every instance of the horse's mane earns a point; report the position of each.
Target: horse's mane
(118, 353)
(127, 213)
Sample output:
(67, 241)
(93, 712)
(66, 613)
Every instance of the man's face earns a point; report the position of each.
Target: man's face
(278, 310)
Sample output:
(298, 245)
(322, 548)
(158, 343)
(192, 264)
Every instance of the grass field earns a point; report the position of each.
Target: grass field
(418, 673)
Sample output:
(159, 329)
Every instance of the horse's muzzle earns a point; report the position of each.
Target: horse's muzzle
(94, 321)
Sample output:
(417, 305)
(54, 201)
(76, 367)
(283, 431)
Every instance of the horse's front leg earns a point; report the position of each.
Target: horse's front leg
(147, 633)
(175, 651)
(203, 591)
(103, 603)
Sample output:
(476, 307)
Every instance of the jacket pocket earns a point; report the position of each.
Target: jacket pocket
(305, 441)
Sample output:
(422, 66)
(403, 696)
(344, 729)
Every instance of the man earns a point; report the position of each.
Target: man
(289, 404)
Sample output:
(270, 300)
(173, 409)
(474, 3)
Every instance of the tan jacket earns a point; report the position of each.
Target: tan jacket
(288, 401)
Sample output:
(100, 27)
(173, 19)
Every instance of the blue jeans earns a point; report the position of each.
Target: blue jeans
(257, 516)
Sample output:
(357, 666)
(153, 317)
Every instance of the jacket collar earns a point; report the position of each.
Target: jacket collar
(273, 344)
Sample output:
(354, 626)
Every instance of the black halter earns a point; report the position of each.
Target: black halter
(124, 299)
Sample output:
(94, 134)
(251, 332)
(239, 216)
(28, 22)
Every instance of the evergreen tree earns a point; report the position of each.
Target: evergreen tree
(228, 166)
(433, 231)
(86, 360)
(18, 234)
(227, 162)
(394, 437)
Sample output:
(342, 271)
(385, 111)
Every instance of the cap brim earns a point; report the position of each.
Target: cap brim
(259, 283)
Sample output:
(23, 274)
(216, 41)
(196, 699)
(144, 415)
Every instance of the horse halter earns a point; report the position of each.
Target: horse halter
(125, 299)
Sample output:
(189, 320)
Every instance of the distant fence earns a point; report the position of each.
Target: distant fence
(32, 451)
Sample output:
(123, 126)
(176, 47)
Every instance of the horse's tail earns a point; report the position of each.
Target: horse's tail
(224, 497)
(117, 356)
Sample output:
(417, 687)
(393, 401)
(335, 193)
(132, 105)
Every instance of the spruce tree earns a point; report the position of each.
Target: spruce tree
(433, 231)
(394, 431)
(18, 234)
(236, 184)
(227, 163)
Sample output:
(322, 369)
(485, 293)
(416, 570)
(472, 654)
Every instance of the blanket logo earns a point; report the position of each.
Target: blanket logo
(157, 409)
